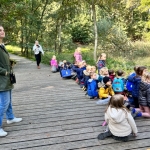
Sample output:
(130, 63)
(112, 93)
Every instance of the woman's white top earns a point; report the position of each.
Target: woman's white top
(37, 49)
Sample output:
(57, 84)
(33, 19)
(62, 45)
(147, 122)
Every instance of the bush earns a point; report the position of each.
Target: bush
(81, 34)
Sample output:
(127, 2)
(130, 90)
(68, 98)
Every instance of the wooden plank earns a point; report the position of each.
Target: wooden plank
(58, 120)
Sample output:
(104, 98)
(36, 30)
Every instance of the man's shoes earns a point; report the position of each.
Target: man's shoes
(2, 132)
(15, 120)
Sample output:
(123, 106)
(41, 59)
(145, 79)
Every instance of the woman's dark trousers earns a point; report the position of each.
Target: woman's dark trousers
(38, 58)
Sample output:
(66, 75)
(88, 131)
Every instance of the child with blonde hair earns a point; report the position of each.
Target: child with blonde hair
(54, 64)
(104, 72)
(101, 62)
(120, 122)
(92, 86)
(77, 55)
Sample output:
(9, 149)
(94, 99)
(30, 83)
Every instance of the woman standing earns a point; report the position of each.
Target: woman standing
(6, 86)
(37, 48)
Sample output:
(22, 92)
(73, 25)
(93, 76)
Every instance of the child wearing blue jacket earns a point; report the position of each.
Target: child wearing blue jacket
(92, 86)
(86, 77)
(136, 80)
(79, 70)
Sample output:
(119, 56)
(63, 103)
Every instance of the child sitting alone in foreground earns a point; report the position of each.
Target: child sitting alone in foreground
(54, 64)
(120, 122)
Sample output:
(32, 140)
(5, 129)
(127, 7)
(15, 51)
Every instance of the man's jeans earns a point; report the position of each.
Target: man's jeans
(5, 106)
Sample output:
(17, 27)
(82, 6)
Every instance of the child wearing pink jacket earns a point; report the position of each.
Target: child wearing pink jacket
(77, 55)
(54, 64)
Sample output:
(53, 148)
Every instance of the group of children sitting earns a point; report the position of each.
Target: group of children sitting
(127, 98)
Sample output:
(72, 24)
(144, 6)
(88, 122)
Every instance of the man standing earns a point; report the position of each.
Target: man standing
(5, 86)
(37, 48)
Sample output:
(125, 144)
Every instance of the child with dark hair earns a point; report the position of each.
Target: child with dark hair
(136, 82)
(92, 86)
(111, 74)
(118, 83)
(105, 92)
(120, 122)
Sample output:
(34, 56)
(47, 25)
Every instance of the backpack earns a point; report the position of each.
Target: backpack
(129, 86)
(118, 85)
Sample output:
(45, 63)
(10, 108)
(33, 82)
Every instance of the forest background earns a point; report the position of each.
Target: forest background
(120, 28)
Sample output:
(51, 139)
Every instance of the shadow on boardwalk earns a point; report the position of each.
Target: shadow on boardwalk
(57, 116)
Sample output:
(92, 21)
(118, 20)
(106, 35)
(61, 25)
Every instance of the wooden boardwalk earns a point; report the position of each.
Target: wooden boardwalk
(57, 115)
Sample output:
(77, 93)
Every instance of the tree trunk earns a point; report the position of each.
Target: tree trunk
(56, 30)
(59, 39)
(95, 31)
(21, 43)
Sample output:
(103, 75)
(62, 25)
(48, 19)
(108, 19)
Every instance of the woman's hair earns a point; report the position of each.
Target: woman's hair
(103, 70)
(145, 77)
(117, 102)
(140, 70)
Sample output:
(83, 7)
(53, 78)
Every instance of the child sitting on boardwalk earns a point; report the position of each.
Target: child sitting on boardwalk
(118, 83)
(77, 55)
(86, 77)
(135, 84)
(144, 97)
(101, 61)
(105, 92)
(54, 64)
(103, 72)
(112, 74)
(120, 122)
(92, 86)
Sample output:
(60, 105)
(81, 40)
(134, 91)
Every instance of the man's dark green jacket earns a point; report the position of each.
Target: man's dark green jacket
(5, 66)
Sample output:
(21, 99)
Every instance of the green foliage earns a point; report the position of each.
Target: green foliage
(81, 34)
